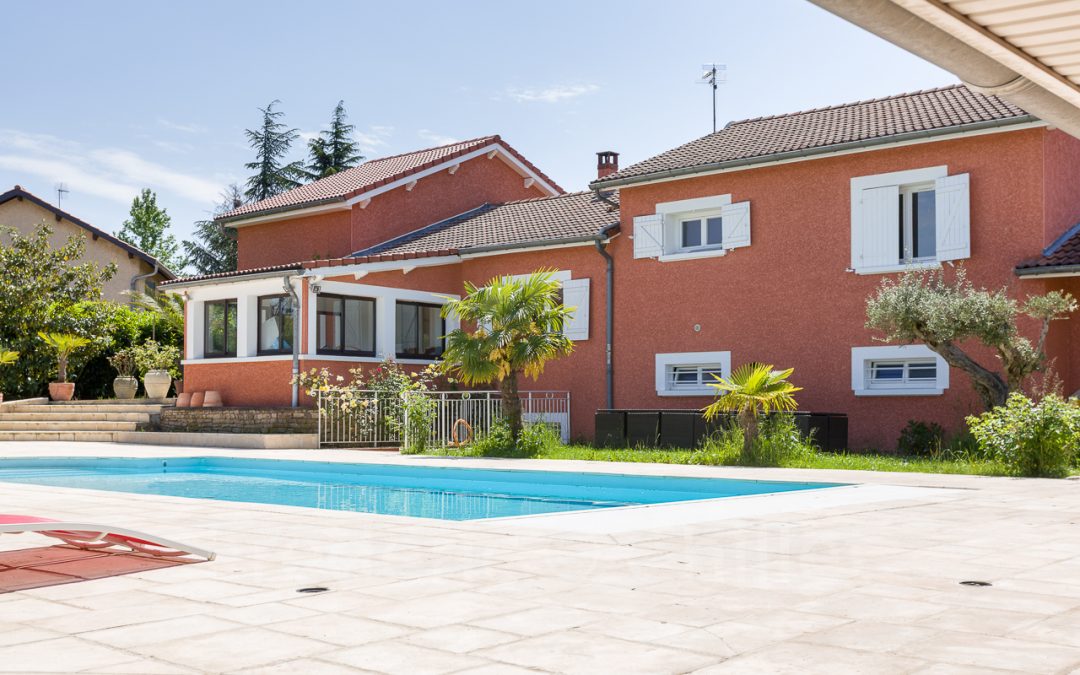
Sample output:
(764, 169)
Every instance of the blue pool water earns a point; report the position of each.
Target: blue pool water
(419, 491)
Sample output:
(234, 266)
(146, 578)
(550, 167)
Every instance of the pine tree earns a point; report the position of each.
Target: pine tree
(148, 229)
(213, 249)
(271, 143)
(333, 150)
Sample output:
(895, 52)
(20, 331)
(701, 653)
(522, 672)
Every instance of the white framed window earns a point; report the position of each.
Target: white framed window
(910, 218)
(690, 373)
(902, 370)
(692, 228)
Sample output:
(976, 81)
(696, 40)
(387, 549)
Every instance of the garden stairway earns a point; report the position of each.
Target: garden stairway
(42, 420)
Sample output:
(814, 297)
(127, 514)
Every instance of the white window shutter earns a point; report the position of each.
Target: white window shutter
(649, 236)
(736, 224)
(952, 207)
(576, 296)
(875, 236)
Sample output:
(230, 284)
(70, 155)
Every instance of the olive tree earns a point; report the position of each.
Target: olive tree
(948, 315)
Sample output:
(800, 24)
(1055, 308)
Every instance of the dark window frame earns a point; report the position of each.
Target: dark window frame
(442, 331)
(258, 326)
(226, 302)
(341, 332)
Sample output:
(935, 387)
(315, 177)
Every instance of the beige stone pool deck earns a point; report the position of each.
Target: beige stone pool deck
(846, 580)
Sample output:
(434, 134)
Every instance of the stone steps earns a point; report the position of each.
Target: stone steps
(75, 417)
(66, 425)
(54, 436)
(60, 411)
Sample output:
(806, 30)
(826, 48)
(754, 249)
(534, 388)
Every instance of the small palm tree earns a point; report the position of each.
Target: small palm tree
(63, 345)
(753, 389)
(519, 325)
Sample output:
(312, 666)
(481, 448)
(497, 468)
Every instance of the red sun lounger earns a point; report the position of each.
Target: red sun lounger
(97, 537)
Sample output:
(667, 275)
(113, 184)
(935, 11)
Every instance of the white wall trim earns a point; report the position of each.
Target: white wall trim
(710, 203)
(662, 361)
(694, 255)
(861, 355)
(924, 175)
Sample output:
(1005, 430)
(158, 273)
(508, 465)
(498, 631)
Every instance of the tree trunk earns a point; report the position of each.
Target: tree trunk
(61, 368)
(992, 389)
(749, 423)
(511, 404)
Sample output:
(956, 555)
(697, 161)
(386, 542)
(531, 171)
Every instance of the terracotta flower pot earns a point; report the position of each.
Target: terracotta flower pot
(61, 391)
(125, 387)
(157, 383)
(183, 400)
(212, 399)
(196, 399)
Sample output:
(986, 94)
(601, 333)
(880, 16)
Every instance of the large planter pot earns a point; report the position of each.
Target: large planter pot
(125, 387)
(157, 383)
(61, 391)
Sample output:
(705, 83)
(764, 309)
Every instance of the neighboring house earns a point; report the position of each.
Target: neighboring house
(135, 269)
(760, 242)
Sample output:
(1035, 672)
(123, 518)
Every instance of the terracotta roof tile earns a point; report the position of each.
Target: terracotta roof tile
(1064, 252)
(371, 174)
(529, 221)
(237, 273)
(881, 118)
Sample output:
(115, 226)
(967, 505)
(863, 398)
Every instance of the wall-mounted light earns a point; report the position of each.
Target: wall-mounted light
(316, 288)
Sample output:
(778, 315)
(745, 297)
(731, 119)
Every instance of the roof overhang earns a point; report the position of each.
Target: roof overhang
(1048, 272)
(494, 150)
(176, 286)
(1024, 52)
(925, 136)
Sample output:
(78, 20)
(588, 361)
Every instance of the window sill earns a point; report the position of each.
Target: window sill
(921, 265)
(693, 255)
(687, 393)
(899, 392)
(365, 359)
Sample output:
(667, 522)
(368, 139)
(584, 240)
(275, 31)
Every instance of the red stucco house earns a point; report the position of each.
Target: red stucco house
(760, 242)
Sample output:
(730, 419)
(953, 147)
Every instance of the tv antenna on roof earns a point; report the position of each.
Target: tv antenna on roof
(61, 190)
(714, 74)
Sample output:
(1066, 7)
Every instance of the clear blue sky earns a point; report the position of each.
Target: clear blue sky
(109, 97)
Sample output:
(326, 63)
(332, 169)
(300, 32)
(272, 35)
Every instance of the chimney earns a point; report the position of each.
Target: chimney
(607, 163)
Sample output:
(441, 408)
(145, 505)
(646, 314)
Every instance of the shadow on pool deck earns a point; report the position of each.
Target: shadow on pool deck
(28, 568)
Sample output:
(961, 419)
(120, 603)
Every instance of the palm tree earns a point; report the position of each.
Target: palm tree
(753, 389)
(519, 325)
(63, 345)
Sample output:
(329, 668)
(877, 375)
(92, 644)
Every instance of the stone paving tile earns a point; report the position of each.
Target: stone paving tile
(541, 620)
(995, 652)
(441, 610)
(339, 629)
(870, 636)
(396, 657)
(66, 654)
(978, 620)
(460, 639)
(576, 652)
(791, 658)
(232, 650)
(134, 635)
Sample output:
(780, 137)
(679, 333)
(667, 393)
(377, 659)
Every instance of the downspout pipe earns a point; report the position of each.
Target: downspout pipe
(134, 284)
(297, 324)
(609, 327)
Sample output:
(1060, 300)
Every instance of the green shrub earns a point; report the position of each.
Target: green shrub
(499, 442)
(1033, 439)
(151, 355)
(920, 439)
(778, 442)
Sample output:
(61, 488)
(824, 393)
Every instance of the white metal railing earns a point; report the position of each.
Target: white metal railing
(359, 418)
(481, 409)
(363, 418)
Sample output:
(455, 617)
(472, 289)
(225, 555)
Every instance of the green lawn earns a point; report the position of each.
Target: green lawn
(817, 460)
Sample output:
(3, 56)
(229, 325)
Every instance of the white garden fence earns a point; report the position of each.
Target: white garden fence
(361, 418)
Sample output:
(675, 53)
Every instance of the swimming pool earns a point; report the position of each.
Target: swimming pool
(447, 493)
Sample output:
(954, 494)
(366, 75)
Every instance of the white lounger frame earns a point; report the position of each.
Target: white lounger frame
(90, 536)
